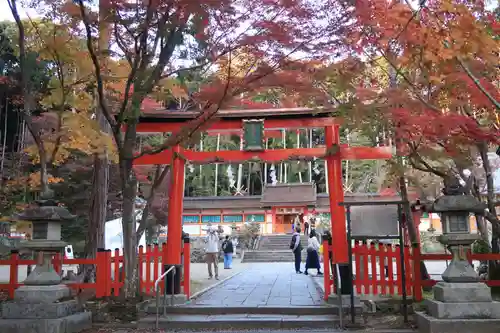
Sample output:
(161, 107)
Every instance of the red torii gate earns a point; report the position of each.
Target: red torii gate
(233, 121)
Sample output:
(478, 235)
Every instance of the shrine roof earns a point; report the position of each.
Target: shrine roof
(285, 113)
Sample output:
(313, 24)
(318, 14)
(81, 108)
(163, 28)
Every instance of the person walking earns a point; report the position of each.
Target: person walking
(212, 252)
(296, 248)
(312, 260)
(227, 247)
(306, 228)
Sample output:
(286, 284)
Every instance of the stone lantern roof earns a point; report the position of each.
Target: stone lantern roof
(455, 200)
(457, 203)
(46, 210)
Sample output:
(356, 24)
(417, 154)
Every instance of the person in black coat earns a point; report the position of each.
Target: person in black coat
(296, 248)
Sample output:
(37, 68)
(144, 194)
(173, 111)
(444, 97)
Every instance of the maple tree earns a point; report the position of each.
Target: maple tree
(158, 40)
(441, 100)
(58, 117)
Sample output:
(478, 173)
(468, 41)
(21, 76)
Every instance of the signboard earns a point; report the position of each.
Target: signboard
(253, 135)
(374, 221)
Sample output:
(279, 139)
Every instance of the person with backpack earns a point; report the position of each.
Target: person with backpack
(227, 247)
(296, 248)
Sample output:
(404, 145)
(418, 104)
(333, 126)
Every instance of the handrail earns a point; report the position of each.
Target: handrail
(157, 282)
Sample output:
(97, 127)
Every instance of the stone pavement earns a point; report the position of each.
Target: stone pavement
(199, 274)
(274, 284)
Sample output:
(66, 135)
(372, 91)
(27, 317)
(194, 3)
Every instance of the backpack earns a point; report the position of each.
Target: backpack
(292, 243)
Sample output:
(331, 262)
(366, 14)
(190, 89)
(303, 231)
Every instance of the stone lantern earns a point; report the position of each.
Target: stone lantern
(43, 304)
(461, 302)
(47, 219)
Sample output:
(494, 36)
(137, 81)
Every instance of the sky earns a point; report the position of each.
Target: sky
(5, 13)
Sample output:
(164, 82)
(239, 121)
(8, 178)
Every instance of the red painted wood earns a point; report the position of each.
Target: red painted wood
(56, 263)
(373, 262)
(117, 279)
(336, 196)
(176, 195)
(398, 270)
(364, 265)
(356, 251)
(13, 274)
(408, 271)
(381, 254)
(232, 124)
(270, 155)
(141, 268)
(156, 263)
(108, 273)
(275, 134)
(148, 270)
(326, 269)
(390, 260)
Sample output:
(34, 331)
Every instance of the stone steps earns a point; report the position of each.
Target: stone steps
(216, 317)
(239, 321)
(249, 310)
(270, 256)
(274, 248)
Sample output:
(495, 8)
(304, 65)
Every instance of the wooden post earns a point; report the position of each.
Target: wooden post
(14, 258)
(141, 269)
(326, 269)
(176, 196)
(100, 274)
(417, 275)
(336, 195)
(107, 279)
(187, 267)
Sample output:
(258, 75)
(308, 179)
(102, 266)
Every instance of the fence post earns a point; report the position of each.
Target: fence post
(417, 278)
(108, 273)
(100, 273)
(57, 263)
(14, 258)
(141, 269)
(326, 269)
(187, 268)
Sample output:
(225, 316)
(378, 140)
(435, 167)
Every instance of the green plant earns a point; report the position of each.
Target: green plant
(480, 247)
(248, 234)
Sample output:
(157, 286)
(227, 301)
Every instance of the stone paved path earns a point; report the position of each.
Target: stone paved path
(264, 285)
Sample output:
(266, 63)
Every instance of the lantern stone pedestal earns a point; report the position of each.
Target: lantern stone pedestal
(43, 304)
(461, 304)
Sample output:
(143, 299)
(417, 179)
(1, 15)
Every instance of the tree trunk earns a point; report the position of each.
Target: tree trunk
(129, 188)
(494, 266)
(97, 212)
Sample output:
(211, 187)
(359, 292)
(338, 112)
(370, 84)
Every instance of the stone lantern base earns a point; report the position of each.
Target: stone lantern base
(43, 309)
(460, 307)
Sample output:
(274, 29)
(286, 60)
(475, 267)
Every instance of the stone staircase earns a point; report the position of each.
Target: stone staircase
(203, 318)
(274, 248)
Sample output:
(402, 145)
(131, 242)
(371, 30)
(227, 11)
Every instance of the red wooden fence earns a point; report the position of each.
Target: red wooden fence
(109, 281)
(377, 269)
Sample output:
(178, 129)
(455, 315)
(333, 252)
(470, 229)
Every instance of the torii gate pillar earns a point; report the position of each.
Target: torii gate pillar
(176, 197)
(336, 196)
